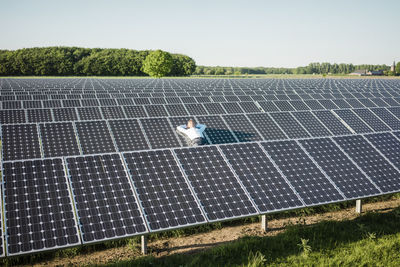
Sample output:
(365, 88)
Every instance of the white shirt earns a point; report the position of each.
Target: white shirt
(192, 133)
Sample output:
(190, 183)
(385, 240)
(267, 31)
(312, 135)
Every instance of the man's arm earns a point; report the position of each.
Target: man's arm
(201, 127)
(181, 128)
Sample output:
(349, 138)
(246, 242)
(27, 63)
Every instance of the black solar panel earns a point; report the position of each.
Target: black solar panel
(266, 126)
(219, 192)
(94, 137)
(135, 112)
(12, 116)
(38, 208)
(299, 105)
(214, 108)
(159, 133)
(373, 121)
(163, 192)
(289, 125)
(196, 109)
(268, 106)
(2, 244)
(242, 128)
(341, 103)
(232, 107)
(388, 145)
(156, 111)
(342, 171)
(20, 141)
(313, 104)
(301, 172)
(39, 115)
(284, 105)
(58, 139)
(89, 113)
(65, 114)
(371, 162)
(387, 117)
(354, 103)
(311, 124)
(128, 135)
(327, 103)
(265, 185)
(176, 110)
(331, 122)
(216, 131)
(249, 107)
(112, 112)
(353, 121)
(104, 199)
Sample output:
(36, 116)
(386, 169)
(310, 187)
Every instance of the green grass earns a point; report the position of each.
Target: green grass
(372, 239)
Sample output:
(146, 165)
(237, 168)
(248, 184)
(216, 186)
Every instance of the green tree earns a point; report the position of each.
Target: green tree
(158, 63)
(398, 68)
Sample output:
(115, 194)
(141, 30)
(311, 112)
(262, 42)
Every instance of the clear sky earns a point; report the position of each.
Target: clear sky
(225, 33)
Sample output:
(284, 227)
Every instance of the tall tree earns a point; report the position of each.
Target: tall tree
(158, 64)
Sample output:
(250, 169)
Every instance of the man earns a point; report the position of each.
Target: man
(193, 133)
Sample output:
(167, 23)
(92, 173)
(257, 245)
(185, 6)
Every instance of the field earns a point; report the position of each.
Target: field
(89, 166)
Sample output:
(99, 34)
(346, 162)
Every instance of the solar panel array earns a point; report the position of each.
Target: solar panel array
(89, 160)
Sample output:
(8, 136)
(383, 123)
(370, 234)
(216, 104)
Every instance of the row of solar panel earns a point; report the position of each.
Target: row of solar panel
(283, 105)
(120, 195)
(24, 141)
(10, 116)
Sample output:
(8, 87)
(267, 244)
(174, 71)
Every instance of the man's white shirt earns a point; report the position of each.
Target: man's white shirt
(192, 133)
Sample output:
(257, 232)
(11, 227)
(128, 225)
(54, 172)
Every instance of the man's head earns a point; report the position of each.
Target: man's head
(191, 124)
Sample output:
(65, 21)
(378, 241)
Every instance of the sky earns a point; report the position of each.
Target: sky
(214, 33)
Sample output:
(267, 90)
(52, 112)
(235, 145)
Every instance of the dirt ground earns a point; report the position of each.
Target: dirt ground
(198, 242)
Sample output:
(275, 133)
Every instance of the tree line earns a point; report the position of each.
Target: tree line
(312, 68)
(78, 61)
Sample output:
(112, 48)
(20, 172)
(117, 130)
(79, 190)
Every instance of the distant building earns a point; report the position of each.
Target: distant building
(359, 73)
(393, 67)
(375, 72)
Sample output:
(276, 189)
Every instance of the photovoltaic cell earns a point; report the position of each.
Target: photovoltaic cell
(135, 112)
(65, 114)
(311, 123)
(176, 110)
(242, 128)
(353, 121)
(159, 133)
(331, 122)
(314, 104)
(342, 171)
(327, 103)
(288, 124)
(214, 108)
(94, 137)
(387, 117)
(284, 105)
(341, 103)
(104, 198)
(219, 192)
(216, 130)
(299, 105)
(373, 121)
(371, 162)
(89, 113)
(232, 107)
(128, 135)
(388, 145)
(38, 208)
(265, 185)
(266, 126)
(301, 172)
(196, 109)
(112, 112)
(58, 139)
(156, 111)
(39, 115)
(20, 141)
(165, 196)
(249, 107)
(12, 116)
(268, 106)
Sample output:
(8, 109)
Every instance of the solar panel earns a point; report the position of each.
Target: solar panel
(331, 122)
(104, 198)
(301, 172)
(232, 107)
(266, 126)
(299, 105)
(354, 103)
(156, 111)
(395, 111)
(242, 128)
(94, 137)
(32, 104)
(20, 141)
(217, 131)
(65, 114)
(311, 124)
(373, 121)
(52, 104)
(107, 102)
(176, 110)
(388, 145)
(2, 245)
(90, 103)
(113, 112)
(11, 104)
(128, 135)
(284, 105)
(89, 113)
(159, 133)
(38, 208)
(58, 139)
(289, 125)
(265, 184)
(195, 109)
(12, 116)
(327, 103)
(268, 106)
(353, 121)
(164, 194)
(39, 115)
(342, 171)
(341, 103)
(314, 104)
(214, 108)
(249, 107)
(135, 112)
(379, 102)
(216, 187)
(371, 162)
(366, 102)
(387, 117)
(70, 103)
